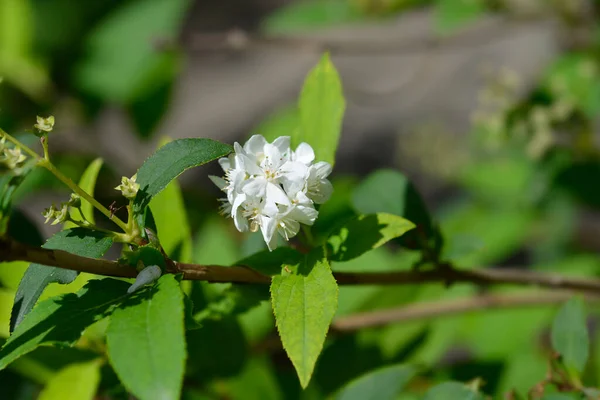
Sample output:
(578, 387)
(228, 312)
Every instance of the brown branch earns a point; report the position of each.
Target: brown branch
(11, 250)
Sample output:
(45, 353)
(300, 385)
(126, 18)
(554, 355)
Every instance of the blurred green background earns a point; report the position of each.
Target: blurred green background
(491, 108)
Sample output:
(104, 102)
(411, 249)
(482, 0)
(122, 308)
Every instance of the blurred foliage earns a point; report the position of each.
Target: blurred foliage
(525, 193)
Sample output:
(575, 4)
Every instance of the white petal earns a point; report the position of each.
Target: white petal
(304, 214)
(254, 187)
(288, 228)
(267, 227)
(322, 169)
(241, 223)
(282, 143)
(250, 166)
(225, 163)
(218, 181)
(255, 144)
(276, 194)
(304, 153)
(325, 189)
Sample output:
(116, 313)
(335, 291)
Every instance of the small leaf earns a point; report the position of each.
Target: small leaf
(75, 382)
(88, 183)
(364, 233)
(62, 319)
(381, 384)
(321, 107)
(570, 335)
(451, 15)
(304, 304)
(171, 222)
(146, 341)
(452, 391)
(391, 192)
(168, 162)
(81, 241)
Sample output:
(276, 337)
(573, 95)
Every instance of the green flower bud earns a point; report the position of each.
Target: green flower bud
(44, 125)
(13, 157)
(128, 187)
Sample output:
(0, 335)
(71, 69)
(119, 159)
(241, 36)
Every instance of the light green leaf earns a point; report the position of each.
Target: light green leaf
(124, 63)
(214, 244)
(310, 14)
(88, 183)
(170, 161)
(62, 319)
(450, 15)
(452, 391)
(171, 221)
(381, 384)
(146, 341)
(321, 108)
(304, 303)
(81, 241)
(282, 122)
(364, 233)
(75, 382)
(570, 335)
(271, 262)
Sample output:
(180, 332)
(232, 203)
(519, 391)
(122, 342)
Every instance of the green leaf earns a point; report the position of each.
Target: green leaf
(271, 262)
(286, 120)
(88, 183)
(364, 233)
(321, 106)
(81, 241)
(570, 335)
(124, 63)
(170, 161)
(310, 14)
(62, 319)
(391, 192)
(452, 391)
(146, 341)
(560, 396)
(382, 384)
(75, 382)
(304, 303)
(171, 221)
(450, 15)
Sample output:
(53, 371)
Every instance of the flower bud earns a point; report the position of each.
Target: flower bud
(44, 125)
(61, 215)
(128, 187)
(49, 213)
(13, 157)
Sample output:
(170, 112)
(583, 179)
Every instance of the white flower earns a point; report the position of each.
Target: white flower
(129, 187)
(272, 188)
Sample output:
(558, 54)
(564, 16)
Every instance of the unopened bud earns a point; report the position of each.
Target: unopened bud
(61, 215)
(146, 276)
(128, 187)
(13, 157)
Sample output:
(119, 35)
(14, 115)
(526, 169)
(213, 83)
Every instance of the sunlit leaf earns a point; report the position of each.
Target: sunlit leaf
(88, 183)
(570, 335)
(75, 382)
(382, 384)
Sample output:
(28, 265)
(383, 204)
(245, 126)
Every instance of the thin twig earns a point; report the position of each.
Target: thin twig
(11, 250)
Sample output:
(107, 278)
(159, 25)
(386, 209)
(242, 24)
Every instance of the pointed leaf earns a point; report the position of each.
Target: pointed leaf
(88, 183)
(304, 303)
(321, 107)
(168, 162)
(75, 382)
(80, 241)
(146, 341)
(570, 335)
(62, 319)
(381, 384)
(364, 233)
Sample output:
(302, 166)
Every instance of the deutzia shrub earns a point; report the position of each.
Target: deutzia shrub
(273, 188)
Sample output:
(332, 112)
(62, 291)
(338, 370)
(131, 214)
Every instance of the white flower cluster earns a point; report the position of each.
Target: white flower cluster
(272, 188)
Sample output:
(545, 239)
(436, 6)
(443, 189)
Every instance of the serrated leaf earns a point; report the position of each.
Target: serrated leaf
(80, 241)
(171, 221)
(304, 304)
(570, 335)
(364, 233)
(146, 341)
(88, 183)
(62, 319)
(381, 384)
(392, 192)
(74, 382)
(168, 162)
(321, 107)
(450, 15)
(452, 391)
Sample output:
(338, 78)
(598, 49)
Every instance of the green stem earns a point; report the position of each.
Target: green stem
(44, 140)
(75, 188)
(85, 224)
(20, 145)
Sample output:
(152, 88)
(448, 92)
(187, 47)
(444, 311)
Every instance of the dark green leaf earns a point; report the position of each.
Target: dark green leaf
(452, 391)
(365, 233)
(168, 162)
(304, 303)
(570, 335)
(62, 319)
(321, 108)
(146, 341)
(382, 384)
(80, 241)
